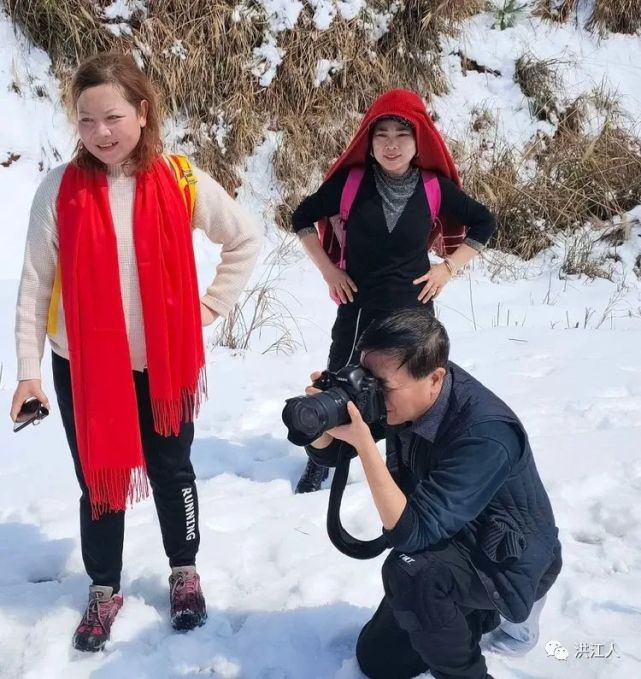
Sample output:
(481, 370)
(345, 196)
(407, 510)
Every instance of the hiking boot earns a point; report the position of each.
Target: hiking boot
(312, 478)
(186, 598)
(93, 631)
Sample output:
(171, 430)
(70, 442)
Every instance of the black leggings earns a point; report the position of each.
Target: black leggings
(171, 477)
(351, 321)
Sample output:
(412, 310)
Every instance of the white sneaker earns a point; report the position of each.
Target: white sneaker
(516, 638)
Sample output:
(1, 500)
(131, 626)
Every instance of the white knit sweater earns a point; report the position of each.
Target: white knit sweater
(215, 212)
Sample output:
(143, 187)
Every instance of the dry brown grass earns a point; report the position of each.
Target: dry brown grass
(200, 55)
(614, 16)
(560, 183)
(556, 10)
(591, 176)
(68, 30)
(482, 119)
(498, 183)
(264, 309)
(579, 257)
(303, 155)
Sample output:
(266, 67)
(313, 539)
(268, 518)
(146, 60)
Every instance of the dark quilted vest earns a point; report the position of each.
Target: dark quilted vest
(513, 544)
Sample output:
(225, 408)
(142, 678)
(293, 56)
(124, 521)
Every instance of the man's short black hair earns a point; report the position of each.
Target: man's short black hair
(414, 336)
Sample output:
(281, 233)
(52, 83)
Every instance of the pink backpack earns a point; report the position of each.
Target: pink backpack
(354, 179)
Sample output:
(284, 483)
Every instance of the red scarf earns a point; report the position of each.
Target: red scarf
(432, 154)
(104, 396)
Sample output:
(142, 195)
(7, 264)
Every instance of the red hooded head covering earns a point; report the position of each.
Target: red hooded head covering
(432, 154)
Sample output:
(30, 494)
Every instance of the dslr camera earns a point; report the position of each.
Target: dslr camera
(308, 417)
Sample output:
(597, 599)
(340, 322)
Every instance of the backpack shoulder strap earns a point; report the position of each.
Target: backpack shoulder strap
(54, 303)
(433, 192)
(186, 180)
(354, 179)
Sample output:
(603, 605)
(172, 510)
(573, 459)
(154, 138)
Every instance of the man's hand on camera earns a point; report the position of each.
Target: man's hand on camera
(357, 433)
(310, 389)
(388, 497)
(325, 440)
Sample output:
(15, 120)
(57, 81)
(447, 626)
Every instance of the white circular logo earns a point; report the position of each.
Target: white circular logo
(551, 646)
(561, 653)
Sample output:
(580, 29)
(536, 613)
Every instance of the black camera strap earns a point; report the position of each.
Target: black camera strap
(340, 538)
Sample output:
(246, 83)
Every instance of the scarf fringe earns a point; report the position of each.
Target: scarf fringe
(170, 414)
(112, 490)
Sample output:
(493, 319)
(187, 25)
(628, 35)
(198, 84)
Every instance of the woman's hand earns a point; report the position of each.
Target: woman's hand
(435, 280)
(207, 316)
(341, 286)
(27, 389)
(356, 433)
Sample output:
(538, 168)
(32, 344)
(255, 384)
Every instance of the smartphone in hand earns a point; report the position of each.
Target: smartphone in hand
(32, 412)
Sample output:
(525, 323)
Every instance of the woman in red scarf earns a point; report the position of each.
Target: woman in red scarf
(109, 274)
(408, 199)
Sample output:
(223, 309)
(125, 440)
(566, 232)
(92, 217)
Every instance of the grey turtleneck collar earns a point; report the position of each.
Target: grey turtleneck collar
(395, 191)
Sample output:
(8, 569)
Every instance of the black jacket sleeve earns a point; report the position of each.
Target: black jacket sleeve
(328, 457)
(479, 220)
(467, 476)
(326, 202)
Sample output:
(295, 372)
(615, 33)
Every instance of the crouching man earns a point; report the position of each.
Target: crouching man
(463, 508)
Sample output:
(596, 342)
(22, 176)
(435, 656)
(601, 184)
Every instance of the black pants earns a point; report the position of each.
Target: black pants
(433, 615)
(172, 481)
(351, 321)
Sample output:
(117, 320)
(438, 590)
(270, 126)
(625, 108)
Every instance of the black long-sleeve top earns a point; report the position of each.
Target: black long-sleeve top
(383, 264)
(441, 497)
(452, 494)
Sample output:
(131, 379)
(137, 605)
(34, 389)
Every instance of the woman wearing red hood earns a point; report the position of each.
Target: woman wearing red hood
(375, 259)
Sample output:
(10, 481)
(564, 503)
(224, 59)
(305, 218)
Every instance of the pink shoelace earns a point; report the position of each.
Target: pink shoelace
(97, 615)
(184, 586)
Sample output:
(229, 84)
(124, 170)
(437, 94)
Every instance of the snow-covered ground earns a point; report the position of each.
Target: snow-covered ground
(564, 353)
(581, 62)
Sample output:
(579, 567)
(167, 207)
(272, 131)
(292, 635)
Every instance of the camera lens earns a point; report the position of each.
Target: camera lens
(303, 421)
(308, 417)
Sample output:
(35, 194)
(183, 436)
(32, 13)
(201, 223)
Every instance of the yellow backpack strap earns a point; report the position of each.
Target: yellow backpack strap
(52, 318)
(186, 180)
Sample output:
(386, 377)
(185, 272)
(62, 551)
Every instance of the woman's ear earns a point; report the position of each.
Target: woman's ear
(142, 113)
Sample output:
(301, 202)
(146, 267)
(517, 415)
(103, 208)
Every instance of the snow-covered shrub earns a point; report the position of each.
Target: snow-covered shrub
(537, 80)
(615, 16)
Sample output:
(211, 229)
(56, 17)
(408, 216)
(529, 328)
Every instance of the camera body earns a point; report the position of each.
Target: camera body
(360, 386)
(308, 417)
